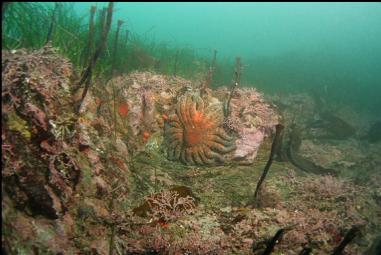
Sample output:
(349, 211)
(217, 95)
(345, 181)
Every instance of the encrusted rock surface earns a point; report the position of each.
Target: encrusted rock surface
(70, 181)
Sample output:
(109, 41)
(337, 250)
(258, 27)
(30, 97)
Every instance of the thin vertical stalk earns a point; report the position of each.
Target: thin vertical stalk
(175, 66)
(114, 58)
(4, 7)
(114, 99)
(125, 63)
(102, 18)
(274, 148)
(126, 40)
(351, 234)
(52, 23)
(86, 76)
(209, 75)
(213, 66)
(237, 79)
(270, 246)
(115, 186)
(90, 42)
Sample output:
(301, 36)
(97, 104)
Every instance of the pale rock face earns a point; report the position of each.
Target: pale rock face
(253, 119)
(248, 144)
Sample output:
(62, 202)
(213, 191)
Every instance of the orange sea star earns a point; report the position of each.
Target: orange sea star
(194, 134)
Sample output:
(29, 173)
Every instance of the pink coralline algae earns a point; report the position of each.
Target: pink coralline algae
(248, 145)
(257, 120)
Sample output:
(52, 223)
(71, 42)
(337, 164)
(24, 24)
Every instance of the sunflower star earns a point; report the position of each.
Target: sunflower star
(194, 134)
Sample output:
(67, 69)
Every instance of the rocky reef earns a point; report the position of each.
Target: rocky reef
(196, 132)
(151, 165)
(36, 107)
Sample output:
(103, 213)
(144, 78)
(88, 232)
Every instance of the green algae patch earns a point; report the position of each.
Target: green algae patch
(17, 124)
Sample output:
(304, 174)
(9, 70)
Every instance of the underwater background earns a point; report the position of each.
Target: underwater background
(191, 128)
(332, 49)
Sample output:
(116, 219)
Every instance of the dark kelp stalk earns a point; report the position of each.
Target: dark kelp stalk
(274, 148)
(86, 76)
(350, 235)
(237, 80)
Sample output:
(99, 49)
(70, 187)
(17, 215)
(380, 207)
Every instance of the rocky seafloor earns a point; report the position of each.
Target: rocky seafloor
(107, 180)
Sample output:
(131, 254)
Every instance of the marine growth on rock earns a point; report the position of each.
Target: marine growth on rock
(194, 133)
